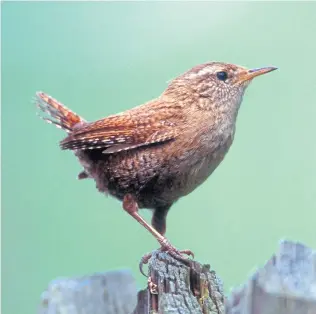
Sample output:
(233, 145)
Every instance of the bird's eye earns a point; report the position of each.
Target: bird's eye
(222, 76)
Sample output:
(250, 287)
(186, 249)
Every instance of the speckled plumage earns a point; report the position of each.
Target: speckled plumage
(164, 149)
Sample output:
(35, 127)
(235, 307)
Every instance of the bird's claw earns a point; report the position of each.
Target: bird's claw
(145, 259)
(169, 248)
(174, 252)
(178, 253)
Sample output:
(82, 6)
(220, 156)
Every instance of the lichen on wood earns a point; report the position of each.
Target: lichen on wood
(286, 284)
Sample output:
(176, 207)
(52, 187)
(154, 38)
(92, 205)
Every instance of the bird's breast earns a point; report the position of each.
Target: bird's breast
(204, 167)
(197, 164)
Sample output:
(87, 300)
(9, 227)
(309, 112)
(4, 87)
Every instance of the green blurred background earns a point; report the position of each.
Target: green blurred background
(103, 58)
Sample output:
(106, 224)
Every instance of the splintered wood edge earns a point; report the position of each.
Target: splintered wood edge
(285, 285)
(112, 292)
(174, 287)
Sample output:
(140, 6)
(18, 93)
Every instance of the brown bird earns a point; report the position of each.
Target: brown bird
(153, 154)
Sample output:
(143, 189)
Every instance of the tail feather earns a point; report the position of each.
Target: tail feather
(58, 114)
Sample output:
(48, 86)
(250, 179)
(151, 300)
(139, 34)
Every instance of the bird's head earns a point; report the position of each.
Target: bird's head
(216, 84)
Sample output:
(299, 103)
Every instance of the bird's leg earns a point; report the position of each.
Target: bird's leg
(130, 205)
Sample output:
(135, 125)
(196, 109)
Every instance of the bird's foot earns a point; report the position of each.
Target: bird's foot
(130, 205)
(166, 246)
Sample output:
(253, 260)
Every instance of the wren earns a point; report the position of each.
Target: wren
(153, 154)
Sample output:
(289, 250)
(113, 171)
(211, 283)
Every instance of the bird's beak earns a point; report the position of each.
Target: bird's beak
(248, 75)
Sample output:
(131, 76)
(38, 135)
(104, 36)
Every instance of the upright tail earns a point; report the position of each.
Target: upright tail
(58, 114)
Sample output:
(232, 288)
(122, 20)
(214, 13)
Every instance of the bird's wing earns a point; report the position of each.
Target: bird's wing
(122, 132)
